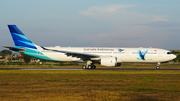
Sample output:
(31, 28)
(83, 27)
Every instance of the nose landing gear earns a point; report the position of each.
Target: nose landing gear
(158, 65)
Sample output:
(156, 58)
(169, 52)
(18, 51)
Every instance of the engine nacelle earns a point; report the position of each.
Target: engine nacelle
(109, 62)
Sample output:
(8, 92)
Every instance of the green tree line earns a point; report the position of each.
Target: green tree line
(5, 52)
(8, 52)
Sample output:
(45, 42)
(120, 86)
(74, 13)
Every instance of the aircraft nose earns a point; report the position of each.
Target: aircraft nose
(174, 56)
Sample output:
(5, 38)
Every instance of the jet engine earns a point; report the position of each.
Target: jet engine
(109, 62)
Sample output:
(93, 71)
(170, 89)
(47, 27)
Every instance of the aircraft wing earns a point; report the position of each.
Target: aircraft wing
(83, 56)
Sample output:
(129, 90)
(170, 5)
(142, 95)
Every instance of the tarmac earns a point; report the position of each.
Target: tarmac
(117, 69)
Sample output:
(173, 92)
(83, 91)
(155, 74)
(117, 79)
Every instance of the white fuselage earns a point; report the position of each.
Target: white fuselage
(122, 54)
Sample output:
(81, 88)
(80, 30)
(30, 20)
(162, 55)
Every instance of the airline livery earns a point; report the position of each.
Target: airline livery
(105, 56)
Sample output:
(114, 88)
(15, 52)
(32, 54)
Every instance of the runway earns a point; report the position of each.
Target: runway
(116, 69)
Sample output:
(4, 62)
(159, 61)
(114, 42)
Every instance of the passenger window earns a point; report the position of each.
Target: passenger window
(169, 53)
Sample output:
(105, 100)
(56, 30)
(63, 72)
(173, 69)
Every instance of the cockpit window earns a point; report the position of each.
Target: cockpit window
(169, 53)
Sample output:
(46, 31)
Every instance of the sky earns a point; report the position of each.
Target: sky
(93, 23)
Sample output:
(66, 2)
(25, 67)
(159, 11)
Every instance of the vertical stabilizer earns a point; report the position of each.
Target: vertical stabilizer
(19, 38)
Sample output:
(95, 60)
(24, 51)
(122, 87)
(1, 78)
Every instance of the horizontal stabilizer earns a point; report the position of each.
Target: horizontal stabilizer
(15, 49)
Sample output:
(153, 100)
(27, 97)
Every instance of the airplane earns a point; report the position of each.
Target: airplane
(106, 56)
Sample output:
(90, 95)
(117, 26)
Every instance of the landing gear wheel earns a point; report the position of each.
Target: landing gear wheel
(94, 67)
(157, 67)
(84, 67)
(89, 67)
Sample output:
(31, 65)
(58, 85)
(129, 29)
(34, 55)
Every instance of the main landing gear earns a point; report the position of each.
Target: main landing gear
(158, 64)
(89, 65)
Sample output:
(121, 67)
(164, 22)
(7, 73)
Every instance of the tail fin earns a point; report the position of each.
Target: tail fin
(19, 38)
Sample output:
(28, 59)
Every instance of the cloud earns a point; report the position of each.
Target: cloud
(129, 27)
(131, 36)
(97, 10)
(119, 14)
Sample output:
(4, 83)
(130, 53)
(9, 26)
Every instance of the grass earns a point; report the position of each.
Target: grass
(75, 65)
(89, 85)
(37, 63)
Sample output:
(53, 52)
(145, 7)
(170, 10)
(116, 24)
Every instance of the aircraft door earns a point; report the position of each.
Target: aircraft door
(127, 53)
(159, 54)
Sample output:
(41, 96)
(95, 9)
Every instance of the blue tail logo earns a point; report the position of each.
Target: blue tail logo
(19, 38)
(142, 54)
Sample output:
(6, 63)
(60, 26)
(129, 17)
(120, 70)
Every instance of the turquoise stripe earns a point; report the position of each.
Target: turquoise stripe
(35, 53)
(27, 43)
(22, 37)
(40, 56)
(31, 50)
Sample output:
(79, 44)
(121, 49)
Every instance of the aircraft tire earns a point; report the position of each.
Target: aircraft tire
(89, 67)
(157, 67)
(93, 67)
(84, 67)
